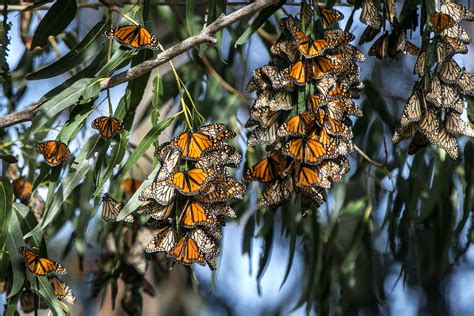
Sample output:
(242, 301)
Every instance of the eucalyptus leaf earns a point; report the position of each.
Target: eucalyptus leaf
(6, 206)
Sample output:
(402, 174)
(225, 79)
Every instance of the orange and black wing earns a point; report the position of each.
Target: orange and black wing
(194, 214)
(186, 251)
(22, 188)
(192, 181)
(193, 144)
(54, 152)
(62, 290)
(130, 186)
(441, 21)
(266, 170)
(40, 266)
(133, 36)
(108, 126)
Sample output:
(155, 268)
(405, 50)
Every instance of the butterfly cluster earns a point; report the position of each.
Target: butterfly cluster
(48, 268)
(188, 198)
(390, 43)
(433, 112)
(302, 109)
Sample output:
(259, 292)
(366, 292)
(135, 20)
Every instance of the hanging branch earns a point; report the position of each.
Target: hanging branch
(205, 36)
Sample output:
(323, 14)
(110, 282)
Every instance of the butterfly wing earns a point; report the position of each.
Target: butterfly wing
(194, 214)
(164, 241)
(62, 290)
(108, 126)
(40, 266)
(54, 152)
(160, 191)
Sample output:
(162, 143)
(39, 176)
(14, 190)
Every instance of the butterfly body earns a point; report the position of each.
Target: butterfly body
(54, 152)
(40, 266)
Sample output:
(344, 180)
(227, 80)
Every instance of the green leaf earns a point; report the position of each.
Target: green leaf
(58, 17)
(190, 17)
(150, 138)
(27, 223)
(35, 5)
(86, 49)
(134, 203)
(80, 92)
(13, 242)
(45, 291)
(73, 179)
(261, 18)
(118, 152)
(8, 158)
(76, 121)
(118, 60)
(6, 203)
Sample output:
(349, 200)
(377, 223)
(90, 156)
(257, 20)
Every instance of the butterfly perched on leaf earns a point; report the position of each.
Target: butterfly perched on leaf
(298, 125)
(157, 211)
(329, 16)
(133, 36)
(307, 46)
(54, 152)
(194, 213)
(370, 14)
(108, 126)
(160, 191)
(221, 189)
(111, 209)
(22, 188)
(412, 110)
(277, 194)
(446, 141)
(40, 266)
(61, 290)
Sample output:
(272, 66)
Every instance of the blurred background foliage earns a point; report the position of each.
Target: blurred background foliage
(391, 240)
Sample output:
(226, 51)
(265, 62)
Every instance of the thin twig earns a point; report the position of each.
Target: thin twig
(205, 36)
(371, 161)
(222, 81)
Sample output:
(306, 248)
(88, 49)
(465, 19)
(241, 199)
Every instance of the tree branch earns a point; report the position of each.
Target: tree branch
(205, 36)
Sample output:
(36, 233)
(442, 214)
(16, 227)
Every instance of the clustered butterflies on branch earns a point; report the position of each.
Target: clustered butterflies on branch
(309, 86)
(433, 112)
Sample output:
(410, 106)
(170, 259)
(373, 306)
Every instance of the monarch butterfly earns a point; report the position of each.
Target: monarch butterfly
(405, 46)
(412, 110)
(262, 116)
(456, 125)
(309, 151)
(329, 16)
(456, 45)
(442, 95)
(370, 15)
(192, 181)
(269, 77)
(204, 243)
(456, 32)
(61, 290)
(332, 125)
(169, 157)
(446, 141)
(285, 49)
(194, 214)
(40, 266)
(307, 46)
(133, 36)
(22, 189)
(130, 186)
(111, 209)
(221, 190)
(275, 100)
(193, 144)
(306, 13)
(54, 152)
(347, 105)
(217, 131)
(303, 71)
(308, 176)
(326, 84)
(223, 156)
(164, 241)
(160, 191)
(457, 11)
(380, 48)
(404, 132)
(338, 37)
(451, 73)
(352, 51)
(391, 11)
(277, 194)
(441, 21)
(428, 125)
(420, 65)
(298, 125)
(221, 209)
(312, 198)
(262, 135)
(186, 251)
(108, 126)
(158, 212)
(266, 170)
